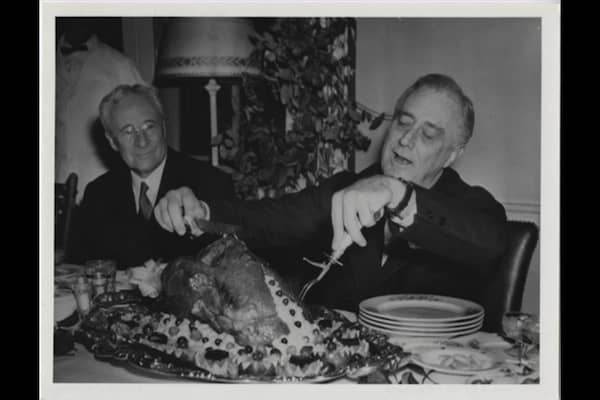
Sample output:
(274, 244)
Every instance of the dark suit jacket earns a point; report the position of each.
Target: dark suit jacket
(108, 225)
(459, 231)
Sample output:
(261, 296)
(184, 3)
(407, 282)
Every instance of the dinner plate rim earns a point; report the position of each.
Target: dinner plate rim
(424, 329)
(365, 304)
(425, 334)
(419, 325)
(428, 335)
(427, 321)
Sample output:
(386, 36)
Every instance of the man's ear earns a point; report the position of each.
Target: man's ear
(111, 140)
(457, 152)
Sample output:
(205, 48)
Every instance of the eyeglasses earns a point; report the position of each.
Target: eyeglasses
(150, 128)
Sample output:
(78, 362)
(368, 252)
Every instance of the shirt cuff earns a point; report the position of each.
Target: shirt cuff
(206, 210)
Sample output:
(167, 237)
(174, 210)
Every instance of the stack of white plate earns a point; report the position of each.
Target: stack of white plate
(421, 315)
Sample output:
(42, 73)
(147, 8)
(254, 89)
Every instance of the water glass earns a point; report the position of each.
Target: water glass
(107, 268)
(516, 325)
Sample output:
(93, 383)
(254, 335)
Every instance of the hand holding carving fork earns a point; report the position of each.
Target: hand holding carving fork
(333, 259)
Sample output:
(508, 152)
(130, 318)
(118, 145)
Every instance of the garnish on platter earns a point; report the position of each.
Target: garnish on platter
(226, 316)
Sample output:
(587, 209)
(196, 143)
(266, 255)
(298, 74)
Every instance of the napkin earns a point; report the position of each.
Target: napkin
(64, 304)
(147, 278)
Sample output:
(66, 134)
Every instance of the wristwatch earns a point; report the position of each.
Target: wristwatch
(409, 189)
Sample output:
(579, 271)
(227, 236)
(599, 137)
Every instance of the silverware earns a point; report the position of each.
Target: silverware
(333, 259)
(214, 227)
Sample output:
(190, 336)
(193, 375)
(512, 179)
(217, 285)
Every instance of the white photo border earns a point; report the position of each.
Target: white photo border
(549, 12)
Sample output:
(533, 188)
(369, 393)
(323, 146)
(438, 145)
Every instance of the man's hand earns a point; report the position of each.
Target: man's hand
(172, 210)
(356, 206)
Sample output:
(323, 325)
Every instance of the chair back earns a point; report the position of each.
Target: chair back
(64, 207)
(507, 284)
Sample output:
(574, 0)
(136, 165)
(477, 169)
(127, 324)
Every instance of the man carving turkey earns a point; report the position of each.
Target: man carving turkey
(440, 235)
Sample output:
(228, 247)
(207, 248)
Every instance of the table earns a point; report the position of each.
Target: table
(82, 367)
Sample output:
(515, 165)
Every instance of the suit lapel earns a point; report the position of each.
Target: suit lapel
(170, 176)
(123, 195)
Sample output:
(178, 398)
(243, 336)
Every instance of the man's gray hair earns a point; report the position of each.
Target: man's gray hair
(119, 93)
(443, 82)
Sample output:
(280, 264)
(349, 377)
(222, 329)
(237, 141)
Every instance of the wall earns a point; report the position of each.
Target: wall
(497, 62)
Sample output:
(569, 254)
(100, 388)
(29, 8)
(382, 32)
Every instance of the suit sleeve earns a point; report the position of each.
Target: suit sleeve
(470, 230)
(286, 221)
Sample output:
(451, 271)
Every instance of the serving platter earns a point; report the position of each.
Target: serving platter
(96, 334)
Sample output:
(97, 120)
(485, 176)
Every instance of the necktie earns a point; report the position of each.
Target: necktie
(145, 204)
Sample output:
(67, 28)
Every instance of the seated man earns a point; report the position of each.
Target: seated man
(439, 235)
(115, 218)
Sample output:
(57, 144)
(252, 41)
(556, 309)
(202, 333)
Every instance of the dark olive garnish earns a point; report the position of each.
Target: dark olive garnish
(158, 338)
(182, 343)
(178, 321)
(258, 355)
(306, 351)
(279, 293)
(292, 312)
(248, 349)
(205, 340)
(301, 361)
(325, 323)
(331, 346)
(284, 341)
(148, 329)
(218, 341)
(275, 351)
(298, 324)
(216, 354)
(349, 342)
(286, 301)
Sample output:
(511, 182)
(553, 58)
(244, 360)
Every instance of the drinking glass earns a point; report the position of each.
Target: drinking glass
(531, 336)
(108, 269)
(514, 325)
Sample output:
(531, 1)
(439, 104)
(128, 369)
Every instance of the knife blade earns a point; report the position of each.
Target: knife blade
(215, 227)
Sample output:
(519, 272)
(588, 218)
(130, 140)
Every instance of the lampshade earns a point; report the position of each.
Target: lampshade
(205, 47)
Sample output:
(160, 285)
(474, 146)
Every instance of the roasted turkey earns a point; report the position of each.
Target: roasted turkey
(228, 287)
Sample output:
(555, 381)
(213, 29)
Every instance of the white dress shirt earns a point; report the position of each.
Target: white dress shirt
(153, 182)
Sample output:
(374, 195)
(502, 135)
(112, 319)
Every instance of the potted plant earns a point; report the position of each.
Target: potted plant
(299, 121)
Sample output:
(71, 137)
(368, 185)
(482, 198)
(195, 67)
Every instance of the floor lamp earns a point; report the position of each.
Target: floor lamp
(208, 48)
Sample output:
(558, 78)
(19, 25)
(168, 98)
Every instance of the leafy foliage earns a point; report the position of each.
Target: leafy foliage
(306, 74)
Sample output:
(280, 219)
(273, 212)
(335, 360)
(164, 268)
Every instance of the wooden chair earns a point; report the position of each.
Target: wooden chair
(64, 208)
(505, 289)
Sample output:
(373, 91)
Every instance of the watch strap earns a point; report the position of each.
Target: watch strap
(409, 189)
